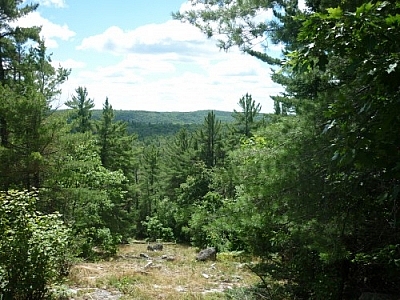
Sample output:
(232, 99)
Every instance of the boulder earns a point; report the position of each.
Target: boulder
(155, 247)
(207, 254)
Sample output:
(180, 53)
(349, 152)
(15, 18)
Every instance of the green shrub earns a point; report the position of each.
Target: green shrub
(33, 247)
(96, 243)
(156, 230)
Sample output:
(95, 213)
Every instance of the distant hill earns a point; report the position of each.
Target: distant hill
(150, 123)
(152, 117)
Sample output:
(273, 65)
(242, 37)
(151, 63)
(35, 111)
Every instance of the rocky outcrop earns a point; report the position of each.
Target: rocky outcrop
(207, 254)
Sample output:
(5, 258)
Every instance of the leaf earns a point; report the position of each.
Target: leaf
(392, 20)
(335, 12)
(366, 7)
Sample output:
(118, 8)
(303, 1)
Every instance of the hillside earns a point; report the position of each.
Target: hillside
(149, 123)
(153, 117)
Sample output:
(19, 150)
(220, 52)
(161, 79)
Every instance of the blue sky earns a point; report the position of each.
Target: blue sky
(132, 52)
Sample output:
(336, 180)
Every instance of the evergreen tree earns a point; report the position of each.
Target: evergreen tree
(329, 188)
(116, 146)
(246, 118)
(209, 141)
(81, 106)
(29, 84)
(178, 160)
(11, 43)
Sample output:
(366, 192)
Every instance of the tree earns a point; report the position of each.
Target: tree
(245, 119)
(29, 84)
(179, 160)
(81, 106)
(209, 141)
(359, 60)
(335, 181)
(91, 198)
(11, 41)
(116, 146)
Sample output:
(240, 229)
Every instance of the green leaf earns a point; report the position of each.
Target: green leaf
(335, 12)
(363, 9)
(392, 20)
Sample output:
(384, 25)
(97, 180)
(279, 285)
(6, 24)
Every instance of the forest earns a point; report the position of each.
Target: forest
(311, 189)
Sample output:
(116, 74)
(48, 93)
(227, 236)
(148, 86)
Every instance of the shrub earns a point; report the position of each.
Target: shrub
(96, 243)
(33, 247)
(156, 230)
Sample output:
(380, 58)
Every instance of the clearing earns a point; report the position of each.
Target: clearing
(173, 273)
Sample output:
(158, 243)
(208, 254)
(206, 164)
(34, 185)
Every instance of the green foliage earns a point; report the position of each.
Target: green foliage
(209, 141)
(33, 247)
(163, 118)
(148, 125)
(156, 230)
(92, 198)
(94, 243)
(116, 146)
(322, 184)
(81, 114)
(246, 118)
(27, 129)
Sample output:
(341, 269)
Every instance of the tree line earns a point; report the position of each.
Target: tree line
(312, 190)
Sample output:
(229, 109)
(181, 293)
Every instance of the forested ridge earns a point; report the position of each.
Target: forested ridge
(152, 123)
(310, 190)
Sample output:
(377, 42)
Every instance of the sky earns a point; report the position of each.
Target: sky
(134, 53)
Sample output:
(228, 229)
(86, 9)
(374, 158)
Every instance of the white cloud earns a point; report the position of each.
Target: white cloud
(170, 37)
(157, 83)
(50, 31)
(169, 67)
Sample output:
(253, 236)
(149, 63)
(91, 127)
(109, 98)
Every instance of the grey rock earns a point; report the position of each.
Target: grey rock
(155, 247)
(168, 257)
(207, 254)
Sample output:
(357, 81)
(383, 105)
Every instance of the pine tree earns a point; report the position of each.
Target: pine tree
(81, 106)
(209, 141)
(246, 118)
(28, 85)
(11, 41)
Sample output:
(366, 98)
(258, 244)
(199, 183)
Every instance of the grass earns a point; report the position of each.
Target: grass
(169, 274)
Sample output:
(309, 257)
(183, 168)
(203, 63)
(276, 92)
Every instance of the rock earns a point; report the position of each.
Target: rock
(148, 265)
(207, 254)
(99, 294)
(168, 258)
(155, 247)
(144, 255)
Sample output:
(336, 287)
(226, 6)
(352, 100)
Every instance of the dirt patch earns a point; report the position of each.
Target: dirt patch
(173, 273)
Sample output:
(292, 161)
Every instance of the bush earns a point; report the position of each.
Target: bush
(96, 243)
(156, 230)
(33, 247)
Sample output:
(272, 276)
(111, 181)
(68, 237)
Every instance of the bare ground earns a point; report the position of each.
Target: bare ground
(173, 273)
